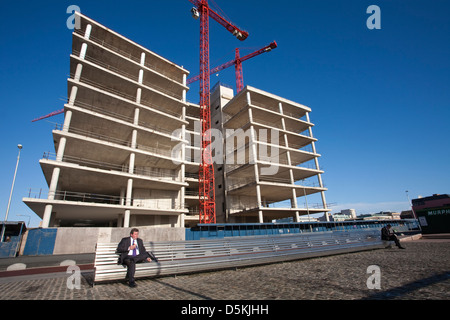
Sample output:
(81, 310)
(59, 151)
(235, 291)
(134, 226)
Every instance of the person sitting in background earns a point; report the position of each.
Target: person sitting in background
(387, 234)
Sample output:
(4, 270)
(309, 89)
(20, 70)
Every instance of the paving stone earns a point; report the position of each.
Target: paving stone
(422, 271)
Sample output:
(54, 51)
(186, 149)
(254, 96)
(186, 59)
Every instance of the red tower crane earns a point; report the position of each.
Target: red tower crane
(237, 62)
(54, 113)
(206, 170)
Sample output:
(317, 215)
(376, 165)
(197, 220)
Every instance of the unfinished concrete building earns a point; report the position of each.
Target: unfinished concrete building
(114, 162)
(128, 152)
(270, 158)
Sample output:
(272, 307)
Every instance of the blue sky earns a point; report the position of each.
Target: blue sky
(380, 99)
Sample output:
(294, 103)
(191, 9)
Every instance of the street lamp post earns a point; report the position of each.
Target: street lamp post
(10, 195)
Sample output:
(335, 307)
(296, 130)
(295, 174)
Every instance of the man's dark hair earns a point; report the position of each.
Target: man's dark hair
(134, 230)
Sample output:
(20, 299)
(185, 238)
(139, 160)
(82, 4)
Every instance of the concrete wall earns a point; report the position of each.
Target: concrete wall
(83, 240)
(160, 199)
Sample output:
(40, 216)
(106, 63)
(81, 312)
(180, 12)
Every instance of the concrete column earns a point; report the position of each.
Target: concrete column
(294, 199)
(260, 216)
(138, 95)
(183, 166)
(53, 183)
(258, 188)
(51, 196)
(47, 216)
(136, 116)
(141, 76)
(61, 148)
(297, 216)
(78, 72)
(126, 219)
(258, 195)
(183, 137)
(288, 157)
(250, 114)
(306, 202)
(122, 196)
(181, 220)
(253, 156)
(283, 123)
(134, 139)
(73, 95)
(292, 179)
(67, 120)
(131, 165)
(184, 90)
(83, 50)
(87, 33)
(143, 59)
(129, 192)
(286, 142)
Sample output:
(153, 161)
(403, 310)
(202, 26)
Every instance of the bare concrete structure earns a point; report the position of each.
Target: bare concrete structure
(113, 164)
(128, 152)
(269, 157)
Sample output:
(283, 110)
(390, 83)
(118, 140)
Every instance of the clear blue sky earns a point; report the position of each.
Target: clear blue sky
(380, 99)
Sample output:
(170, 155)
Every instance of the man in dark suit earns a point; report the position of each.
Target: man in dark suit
(388, 235)
(132, 251)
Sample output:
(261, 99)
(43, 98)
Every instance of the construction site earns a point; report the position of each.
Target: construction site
(132, 151)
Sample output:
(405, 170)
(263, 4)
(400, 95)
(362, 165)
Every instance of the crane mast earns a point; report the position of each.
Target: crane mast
(207, 204)
(206, 181)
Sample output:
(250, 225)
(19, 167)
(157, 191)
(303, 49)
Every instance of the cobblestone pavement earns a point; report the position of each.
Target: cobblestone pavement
(422, 271)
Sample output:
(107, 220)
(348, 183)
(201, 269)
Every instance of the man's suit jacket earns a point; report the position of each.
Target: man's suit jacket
(123, 246)
(385, 234)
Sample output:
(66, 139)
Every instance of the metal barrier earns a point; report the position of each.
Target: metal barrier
(224, 230)
(202, 255)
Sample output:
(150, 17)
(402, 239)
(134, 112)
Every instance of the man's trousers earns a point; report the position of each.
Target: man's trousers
(130, 262)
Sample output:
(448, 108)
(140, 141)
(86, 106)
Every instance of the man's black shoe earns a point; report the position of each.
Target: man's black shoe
(132, 285)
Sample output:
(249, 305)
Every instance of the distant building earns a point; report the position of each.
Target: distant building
(407, 214)
(382, 215)
(347, 214)
(433, 213)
